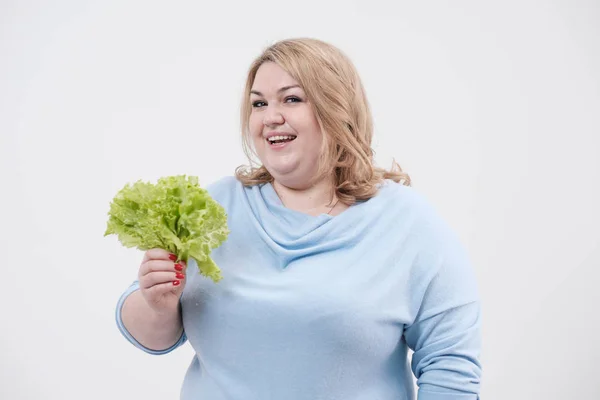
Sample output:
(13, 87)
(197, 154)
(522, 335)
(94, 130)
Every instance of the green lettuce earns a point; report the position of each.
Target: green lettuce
(174, 214)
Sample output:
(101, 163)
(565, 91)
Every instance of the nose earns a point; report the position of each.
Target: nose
(273, 116)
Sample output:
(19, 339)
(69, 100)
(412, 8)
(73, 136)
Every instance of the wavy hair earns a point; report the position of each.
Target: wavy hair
(339, 101)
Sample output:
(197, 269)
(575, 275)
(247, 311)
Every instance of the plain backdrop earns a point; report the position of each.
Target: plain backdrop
(493, 108)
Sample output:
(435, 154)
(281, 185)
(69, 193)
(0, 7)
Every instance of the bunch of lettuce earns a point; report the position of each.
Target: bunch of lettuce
(174, 214)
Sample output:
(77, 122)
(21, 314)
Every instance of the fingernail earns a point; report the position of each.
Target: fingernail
(176, 283)
(179, 276)
(172, 257)
(179, 267)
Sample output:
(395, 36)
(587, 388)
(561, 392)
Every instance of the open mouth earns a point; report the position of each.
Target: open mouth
(281, 139)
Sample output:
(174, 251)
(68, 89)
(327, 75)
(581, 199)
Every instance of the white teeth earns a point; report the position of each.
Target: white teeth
(275, 138)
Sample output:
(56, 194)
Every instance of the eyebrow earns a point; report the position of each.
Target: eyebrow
(283, 89)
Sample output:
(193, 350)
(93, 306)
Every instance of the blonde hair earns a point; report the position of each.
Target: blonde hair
(339, 101)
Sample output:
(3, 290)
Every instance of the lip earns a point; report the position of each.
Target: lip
(271, 134)
(278, 146)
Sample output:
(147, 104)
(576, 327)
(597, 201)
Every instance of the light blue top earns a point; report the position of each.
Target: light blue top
(327, 307)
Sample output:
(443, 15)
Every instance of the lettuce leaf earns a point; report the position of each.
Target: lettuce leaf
(174, 214)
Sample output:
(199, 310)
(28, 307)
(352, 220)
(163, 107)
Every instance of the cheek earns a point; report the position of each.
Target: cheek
(255, 125)
(311, 127)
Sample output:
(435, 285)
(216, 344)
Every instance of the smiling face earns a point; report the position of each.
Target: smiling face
(284, 128)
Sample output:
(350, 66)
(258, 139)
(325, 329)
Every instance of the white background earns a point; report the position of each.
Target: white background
(493, 109)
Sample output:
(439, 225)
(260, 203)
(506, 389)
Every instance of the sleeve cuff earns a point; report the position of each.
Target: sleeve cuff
(430, 393)
(135, 286)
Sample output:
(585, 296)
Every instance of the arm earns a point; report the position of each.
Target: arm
(446, 334)
(147, 330)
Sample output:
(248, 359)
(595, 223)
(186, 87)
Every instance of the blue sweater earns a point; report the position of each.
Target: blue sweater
(327, 307)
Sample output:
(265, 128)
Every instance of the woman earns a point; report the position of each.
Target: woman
(333, 269)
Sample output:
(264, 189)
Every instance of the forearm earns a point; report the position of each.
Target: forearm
(152, 330)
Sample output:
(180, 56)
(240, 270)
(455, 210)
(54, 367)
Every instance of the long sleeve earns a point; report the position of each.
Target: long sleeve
(446, 334)
(119, 320)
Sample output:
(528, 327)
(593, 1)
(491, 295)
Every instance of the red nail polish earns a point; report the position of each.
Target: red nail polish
(179, 276)
(172, 257)
(176, 283)
(178, 267)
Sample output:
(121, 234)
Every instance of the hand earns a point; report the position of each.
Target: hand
(162, 280)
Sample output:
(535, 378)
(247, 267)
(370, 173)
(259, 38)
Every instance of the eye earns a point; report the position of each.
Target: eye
(258, 104)
(292, 99)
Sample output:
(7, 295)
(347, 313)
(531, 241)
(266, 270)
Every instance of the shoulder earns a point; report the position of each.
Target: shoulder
(397, 199)
(436, 246)
(414, 213)
(223, 188)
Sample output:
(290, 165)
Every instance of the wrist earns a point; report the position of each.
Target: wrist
(167, 312)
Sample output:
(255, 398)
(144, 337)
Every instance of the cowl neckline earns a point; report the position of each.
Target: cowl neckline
(292, 234)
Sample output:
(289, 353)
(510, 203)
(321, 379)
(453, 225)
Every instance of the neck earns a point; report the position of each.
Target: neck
(316, 199)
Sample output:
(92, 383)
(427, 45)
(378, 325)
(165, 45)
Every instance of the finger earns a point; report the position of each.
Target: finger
(161, 265)
(159, 278)
(158, 254)
(164, 288)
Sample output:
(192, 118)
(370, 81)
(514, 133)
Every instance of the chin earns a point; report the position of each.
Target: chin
(280, 171)
(291, 177)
